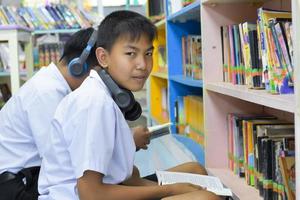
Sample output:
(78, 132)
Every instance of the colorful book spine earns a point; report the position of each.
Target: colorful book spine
(283, 47)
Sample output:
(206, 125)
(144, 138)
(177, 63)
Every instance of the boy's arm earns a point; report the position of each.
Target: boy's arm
(136, 180)
(90, 186)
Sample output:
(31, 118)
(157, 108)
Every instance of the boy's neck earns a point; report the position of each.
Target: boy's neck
(73, 82)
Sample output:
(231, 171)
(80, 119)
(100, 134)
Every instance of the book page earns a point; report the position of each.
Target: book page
(158, 127)
(211, 183)
(159, 130)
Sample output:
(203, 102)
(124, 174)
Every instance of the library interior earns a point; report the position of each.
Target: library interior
(207, 85)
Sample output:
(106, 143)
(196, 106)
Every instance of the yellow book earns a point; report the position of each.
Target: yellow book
(246, 52)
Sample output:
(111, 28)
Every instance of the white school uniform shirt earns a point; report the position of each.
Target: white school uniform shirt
(25, 119)
(88, 132)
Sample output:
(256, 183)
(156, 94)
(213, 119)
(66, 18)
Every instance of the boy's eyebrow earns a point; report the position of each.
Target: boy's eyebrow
(150, 48)
(135, 48)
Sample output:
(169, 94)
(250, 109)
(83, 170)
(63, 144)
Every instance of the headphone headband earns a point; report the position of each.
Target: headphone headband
(78, 66)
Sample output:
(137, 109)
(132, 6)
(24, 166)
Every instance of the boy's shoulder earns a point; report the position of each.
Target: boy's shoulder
(91, 92)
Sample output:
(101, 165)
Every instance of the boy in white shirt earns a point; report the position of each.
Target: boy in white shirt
(25, 121)
(91, 149)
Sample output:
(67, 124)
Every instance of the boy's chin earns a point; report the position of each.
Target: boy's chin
(136, 88)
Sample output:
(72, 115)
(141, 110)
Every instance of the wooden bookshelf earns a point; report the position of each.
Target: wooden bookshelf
(222, 98)
(206, 17)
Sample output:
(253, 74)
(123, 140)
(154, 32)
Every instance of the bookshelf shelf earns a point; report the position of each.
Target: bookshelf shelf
(39, 32)
(236, 184)
(14, 27)
(7, 73)
(261, 97)
(161, 24)
(190, 12)
(186, 81)
(160, 75)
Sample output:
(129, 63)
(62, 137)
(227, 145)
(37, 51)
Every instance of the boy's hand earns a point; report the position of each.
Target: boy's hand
(141, 137)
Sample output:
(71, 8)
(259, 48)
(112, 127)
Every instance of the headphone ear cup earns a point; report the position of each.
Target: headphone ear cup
(76, 68)
(134, 113)
(123, 100)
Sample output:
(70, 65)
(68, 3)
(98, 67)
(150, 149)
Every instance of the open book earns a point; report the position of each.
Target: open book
(159, 130)
(211, 183)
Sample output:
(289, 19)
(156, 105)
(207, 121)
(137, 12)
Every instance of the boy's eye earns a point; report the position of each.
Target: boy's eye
(149, 53)
(130, 53)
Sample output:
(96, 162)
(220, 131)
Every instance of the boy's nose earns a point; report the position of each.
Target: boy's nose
(142, 63)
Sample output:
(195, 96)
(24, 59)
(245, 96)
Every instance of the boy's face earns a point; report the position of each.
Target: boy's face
(130, 62)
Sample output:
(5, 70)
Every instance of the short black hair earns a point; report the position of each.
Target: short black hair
(124, 23)
(76, 44)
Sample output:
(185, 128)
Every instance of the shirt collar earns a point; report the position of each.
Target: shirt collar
(58, 74)
(94, 74)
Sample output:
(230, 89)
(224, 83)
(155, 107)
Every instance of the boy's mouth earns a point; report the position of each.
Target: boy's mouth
(143, 77)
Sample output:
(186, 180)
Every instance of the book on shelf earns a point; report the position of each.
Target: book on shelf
(180, 117)
(274, 73)
(46, 53)
(211, 183)
(189, 117)
(287, 169)
(162, 58)
(51, 16)
(192, 56)
(238, 140)
(164, 102)
(259, 55)
(274, 141)
(256, 144)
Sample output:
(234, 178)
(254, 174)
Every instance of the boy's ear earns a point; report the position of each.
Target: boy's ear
(102, 57)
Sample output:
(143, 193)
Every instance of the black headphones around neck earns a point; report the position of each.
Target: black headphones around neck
(130, 108)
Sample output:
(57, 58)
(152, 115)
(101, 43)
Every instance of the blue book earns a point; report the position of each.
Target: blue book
(59, 24)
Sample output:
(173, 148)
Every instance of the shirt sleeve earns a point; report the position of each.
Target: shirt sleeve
(92, 133)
